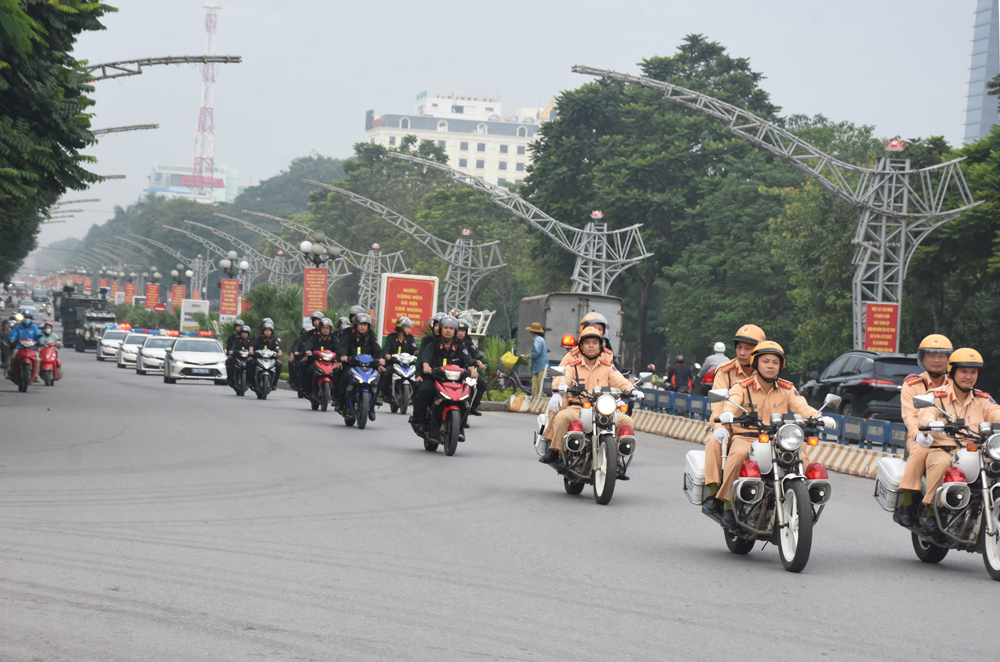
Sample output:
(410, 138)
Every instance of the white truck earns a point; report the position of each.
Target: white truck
(560, 313)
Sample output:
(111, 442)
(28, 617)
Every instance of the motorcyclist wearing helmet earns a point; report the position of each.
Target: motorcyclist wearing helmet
(590, 368)
(679, 375)
(267, 340)
(296, 354)
(932, 355)
(322, 341)
(933, 450)
(727, 376)
(48, 335)
(26, 330)
(354, 312)
(435, 333)
(237, 327)
(360, 340)
(400, 343)
(763, 394)
(599, 322)
(243, 341)
(462, 336)
(716, 359)
(343, 327)
(440, 351)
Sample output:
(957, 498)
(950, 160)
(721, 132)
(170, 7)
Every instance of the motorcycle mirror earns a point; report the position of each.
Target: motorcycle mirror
(558, 371)
(925, 400)
(798, 418)
(831, 400)
(697, 366)
(645, 377)
(776, 419)
(718, 395)
(985, 428)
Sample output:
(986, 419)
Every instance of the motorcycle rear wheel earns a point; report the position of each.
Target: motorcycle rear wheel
(572, 487)
(430, 446)
(989, 546)
(404, 398)
(366, 404)
(324, 396)
(736, 544)
(452, 427)
(605, 470)
(927, 552)
(795, 540)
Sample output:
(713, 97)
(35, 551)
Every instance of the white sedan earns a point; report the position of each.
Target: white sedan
(129, 349)
(195, 358)
(151, 354)
(107, 346)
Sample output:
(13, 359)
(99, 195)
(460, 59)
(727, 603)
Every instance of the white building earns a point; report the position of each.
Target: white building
(478, 139)
(173, 181)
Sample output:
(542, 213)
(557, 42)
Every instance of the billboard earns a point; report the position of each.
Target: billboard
(882, 327)
(313, 291)
(129, 293)
(229, 300)
(188, 308)
(177, 293)
(403, 294)
(152, 295)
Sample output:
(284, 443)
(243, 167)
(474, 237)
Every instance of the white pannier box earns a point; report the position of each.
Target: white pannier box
(890, 475)
(694, 477)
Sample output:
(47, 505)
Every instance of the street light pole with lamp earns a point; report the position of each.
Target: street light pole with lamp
(314, 281)
(229, 306)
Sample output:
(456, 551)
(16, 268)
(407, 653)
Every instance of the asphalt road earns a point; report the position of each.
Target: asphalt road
(141, 521)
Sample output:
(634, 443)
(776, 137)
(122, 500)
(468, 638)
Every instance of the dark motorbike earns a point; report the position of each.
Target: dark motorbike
(240, 359)
(362, 387)
(265, 372)
(453, 393)
(404, 372)
(320, 384)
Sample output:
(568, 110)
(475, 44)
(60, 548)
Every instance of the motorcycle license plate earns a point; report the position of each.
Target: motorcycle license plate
(200, 371)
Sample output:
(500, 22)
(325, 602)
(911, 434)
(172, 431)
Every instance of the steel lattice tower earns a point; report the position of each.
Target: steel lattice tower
(204, 142)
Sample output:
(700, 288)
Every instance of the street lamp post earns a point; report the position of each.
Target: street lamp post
(316, 251)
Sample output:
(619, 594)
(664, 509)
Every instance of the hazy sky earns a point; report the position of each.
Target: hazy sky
(311, 68)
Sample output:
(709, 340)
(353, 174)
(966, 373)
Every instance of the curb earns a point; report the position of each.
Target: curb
(836, 457)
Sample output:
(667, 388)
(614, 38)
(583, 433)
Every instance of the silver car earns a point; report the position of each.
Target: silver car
(195, 358)
(129, 349)
(107, 346)
(152, 353)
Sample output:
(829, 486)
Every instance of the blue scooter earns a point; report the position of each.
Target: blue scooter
(362, 385)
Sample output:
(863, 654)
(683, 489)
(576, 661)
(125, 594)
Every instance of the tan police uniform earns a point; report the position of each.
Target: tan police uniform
(935, 460)
(728, 375)
(591, 373)
(915, 385)
(750, 393)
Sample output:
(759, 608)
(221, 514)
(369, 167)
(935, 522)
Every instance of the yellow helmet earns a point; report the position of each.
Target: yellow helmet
(767, 347)
(749, 333)
(591, 332)
(965, 357)
(593, 318)
(934, 343)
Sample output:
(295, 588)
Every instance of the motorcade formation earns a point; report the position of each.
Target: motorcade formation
(770, 491)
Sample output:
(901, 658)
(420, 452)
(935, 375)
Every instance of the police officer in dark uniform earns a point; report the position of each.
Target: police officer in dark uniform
(442, 351)
(324, 340)
(243, 341)
(267, 340)
(237, 328)
(361, 340)
(400, 343)
(462, 336)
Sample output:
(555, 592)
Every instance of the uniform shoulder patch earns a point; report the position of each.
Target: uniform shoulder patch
(746, 382)
(729, 367)
(913, 379)
(940, 394)
(981, 394)
(784, 383)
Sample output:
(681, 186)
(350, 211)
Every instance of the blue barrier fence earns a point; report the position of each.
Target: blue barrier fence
(866, 433)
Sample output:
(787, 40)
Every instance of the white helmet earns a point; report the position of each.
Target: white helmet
(720, 348)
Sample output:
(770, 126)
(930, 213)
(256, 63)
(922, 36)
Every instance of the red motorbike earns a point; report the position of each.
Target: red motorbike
(320, 379)
(23, 365)
(453, 387)
(49, 359)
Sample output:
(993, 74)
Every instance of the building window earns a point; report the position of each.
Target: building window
(481, 147)
(392, 140)
(520, 149)
(518, 181)
(441, 144)
(503, 149)
(404, 123)
(503, 165)
(458, 110)
(442, 126)
(522, 132)
(463, 146)
(463, 163)
(482, 129)
(520, 167)
(501, 181)
(480, 163)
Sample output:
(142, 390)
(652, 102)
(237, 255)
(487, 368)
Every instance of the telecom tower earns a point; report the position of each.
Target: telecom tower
(203, 179)
(981, 111)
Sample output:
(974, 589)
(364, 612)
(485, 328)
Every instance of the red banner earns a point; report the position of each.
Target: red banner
(313, 291)
(129, 293)
(102, 283)
(114, 289)
(411, 297)
(229, 297)
(882, 327)
(87, 283)
(177, 294)
(152, 295)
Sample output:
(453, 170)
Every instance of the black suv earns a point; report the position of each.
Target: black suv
(868, 383)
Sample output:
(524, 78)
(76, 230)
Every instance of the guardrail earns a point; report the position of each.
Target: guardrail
(864, 432)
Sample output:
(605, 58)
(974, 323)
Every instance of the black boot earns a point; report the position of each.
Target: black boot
(929, 527)
(475, 411)
(728, 520)
(371, 414)
(711, 505)
(549, 457)
(905, 516)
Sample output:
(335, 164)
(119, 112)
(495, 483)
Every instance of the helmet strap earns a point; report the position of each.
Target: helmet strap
(935, 375)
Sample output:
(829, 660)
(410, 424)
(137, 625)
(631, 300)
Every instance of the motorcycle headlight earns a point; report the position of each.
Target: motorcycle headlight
(993, 447)
(606, 405)
(452, 375)
(373, 378)
(399, 369)
(790, 437)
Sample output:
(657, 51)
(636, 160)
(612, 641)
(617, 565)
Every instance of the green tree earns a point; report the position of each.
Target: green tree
(44, 122)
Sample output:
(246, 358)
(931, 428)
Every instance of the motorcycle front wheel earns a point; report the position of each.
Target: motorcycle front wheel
(366, 404)
(324, 396)
(25, 378)
(605, 471)
(265, 386)
(989, 545)
(47, 377)
(241, 386)
(404, 398)
(452, 427)
(795, 539)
